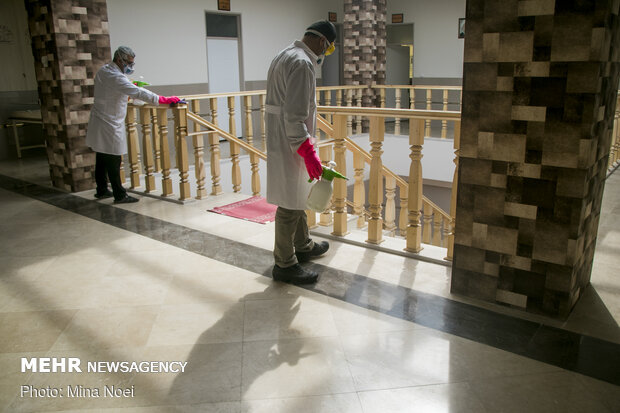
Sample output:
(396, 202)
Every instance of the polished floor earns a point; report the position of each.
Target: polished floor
(157, 281)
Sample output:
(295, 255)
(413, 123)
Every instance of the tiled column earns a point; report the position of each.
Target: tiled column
(540, 81)
(70, 41)
(364, 44)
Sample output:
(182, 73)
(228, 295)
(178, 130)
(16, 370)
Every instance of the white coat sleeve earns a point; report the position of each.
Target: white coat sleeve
(126, 87)
(300, 82)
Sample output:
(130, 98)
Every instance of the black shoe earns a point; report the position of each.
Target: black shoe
(316, 251)
(106, 194)
(294, 275)
(127, 200)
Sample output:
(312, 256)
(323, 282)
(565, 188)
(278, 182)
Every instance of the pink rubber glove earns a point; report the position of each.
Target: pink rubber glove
(168, 100)
(313, 163)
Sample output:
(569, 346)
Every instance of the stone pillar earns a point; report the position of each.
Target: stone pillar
(70, 42)
(364, 45)
(540, 80)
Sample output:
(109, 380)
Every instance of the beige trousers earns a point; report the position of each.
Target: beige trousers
(291, 235)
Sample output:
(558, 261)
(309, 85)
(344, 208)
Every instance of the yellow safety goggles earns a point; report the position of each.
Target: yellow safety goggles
(330, 49)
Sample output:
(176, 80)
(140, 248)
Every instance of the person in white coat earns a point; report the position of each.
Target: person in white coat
(106, 133)
(291, 157)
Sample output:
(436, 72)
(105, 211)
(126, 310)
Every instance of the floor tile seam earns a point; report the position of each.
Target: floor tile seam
(57, 194)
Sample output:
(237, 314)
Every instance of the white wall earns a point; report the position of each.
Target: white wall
(437, 52)
(169, 38)
(16, 60)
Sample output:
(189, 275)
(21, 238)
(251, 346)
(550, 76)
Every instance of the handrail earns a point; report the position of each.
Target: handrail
(417, 87)
(390, 113)
(219, 95)
(226, 135)
(341, 87)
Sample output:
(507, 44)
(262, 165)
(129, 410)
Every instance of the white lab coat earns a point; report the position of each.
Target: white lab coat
(291, 119)
(106, 128)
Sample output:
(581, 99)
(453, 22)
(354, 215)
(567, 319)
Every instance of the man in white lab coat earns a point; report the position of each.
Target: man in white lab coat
(106, 133)
(291, 157)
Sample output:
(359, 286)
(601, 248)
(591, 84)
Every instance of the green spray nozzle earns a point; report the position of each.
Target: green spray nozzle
(329, 174)
(140, 83)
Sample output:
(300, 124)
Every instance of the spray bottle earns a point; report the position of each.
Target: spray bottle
(321, 192)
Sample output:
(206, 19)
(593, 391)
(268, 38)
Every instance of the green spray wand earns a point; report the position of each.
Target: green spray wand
(140, 83)
(329, 173)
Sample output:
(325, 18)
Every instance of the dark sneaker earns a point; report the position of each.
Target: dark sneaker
(106, 194)
(316, 251)
(127, 200)
(294, 275)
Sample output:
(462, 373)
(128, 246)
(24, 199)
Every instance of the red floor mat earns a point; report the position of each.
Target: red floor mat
(255, 209)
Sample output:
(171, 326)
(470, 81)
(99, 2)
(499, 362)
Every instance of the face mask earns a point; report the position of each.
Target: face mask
(128, 67)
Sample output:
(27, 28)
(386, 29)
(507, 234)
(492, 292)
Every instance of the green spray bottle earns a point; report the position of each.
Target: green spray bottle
(321, 191)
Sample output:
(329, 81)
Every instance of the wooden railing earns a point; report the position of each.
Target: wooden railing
(160, 146)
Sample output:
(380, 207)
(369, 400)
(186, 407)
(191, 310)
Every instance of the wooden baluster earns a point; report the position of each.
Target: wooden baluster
(180, 128)
(214, 142)
(263, 133)
(123, 177)
(358, 122)
(390, 204)
(427, 219)
(325, 218)
(403, 219)
(382, 97)
(166, 182)
(359, 191)
(414, 227)
(429, 106)
(397, 120)
(340, 185)
(311, 216)
(328, 102)
(446, 231)
(234, 148)
(156, 139)
(147, 150)
(375, 197)
(199, 153)
(339, 97)
(133, 148)
(457, 143)
(249, 131)
(437, 220)
(412, 98)
(615, 146)
(614, 136)
(349, 118)
(444, 123)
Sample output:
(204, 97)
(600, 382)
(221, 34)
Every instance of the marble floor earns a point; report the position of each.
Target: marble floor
(172, 284)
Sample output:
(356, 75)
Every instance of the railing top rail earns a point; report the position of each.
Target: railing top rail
(342, 87)
(220, 95)
(390, 113)
(417, 87)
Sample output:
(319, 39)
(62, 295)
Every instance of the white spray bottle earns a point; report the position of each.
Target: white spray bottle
(321, 191)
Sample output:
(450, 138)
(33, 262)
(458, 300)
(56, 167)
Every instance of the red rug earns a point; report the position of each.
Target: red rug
(255, 209)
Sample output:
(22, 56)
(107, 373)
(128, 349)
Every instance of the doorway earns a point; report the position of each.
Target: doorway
(399, 61)
(224, 60)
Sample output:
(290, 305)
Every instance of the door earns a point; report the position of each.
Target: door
(224, 64)
(331, 71)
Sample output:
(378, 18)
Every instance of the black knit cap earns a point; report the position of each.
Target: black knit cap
(326, 28)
